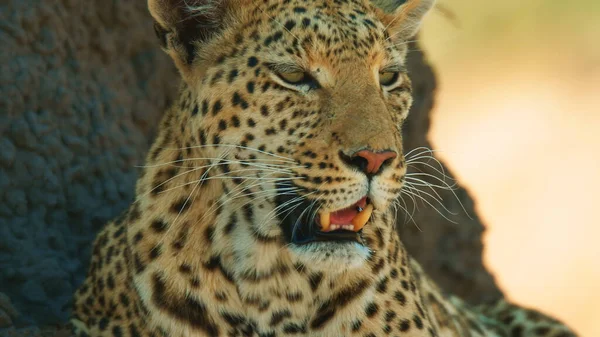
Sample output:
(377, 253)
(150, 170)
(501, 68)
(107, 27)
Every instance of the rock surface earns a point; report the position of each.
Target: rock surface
(83, 87)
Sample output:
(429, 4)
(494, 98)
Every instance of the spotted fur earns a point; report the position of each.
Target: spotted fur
(203, 250)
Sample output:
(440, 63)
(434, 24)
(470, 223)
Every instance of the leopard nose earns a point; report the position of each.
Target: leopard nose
(368, 161)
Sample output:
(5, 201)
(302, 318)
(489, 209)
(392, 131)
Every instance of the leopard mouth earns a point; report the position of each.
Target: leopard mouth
(301, 226)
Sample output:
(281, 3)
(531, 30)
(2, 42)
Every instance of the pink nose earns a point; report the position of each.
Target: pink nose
(374, 160)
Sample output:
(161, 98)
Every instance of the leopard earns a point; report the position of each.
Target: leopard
(265, 204)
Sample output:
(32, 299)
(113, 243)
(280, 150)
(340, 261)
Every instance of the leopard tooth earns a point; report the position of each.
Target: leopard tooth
(325, 220)
(361, 218)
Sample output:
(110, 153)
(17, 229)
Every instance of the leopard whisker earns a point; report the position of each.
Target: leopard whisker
(223, 177)
(183, 173)
(445, 185)
(199, 183)
(168, 180)
(279, 210)
(241, 162)
(435, 196)
(405, 209)
(452, 189)
(232, 146)
(430, 204)
(442, 172)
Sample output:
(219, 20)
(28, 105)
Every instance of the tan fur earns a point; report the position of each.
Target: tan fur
(205, 251)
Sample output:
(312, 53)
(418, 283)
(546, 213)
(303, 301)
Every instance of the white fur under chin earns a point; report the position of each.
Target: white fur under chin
(331, 256)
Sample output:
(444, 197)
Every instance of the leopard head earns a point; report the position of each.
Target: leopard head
(291, 112)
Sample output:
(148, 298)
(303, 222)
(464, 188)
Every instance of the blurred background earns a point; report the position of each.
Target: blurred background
(517, 118)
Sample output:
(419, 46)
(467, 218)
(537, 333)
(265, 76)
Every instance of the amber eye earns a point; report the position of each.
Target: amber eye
(299, 79)
(296, 77)
(388, 78)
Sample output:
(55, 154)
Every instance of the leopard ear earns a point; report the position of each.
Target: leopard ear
(404, 16)
(182, 26)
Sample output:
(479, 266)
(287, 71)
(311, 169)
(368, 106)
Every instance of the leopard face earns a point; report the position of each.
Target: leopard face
(297, 107)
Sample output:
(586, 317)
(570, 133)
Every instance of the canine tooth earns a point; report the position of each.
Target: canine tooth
(361, 218)
(325, 219)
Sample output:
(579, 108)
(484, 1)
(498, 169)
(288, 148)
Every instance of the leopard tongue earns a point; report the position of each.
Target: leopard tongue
(344, 218)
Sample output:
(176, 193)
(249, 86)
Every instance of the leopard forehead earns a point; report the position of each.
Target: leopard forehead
(343, 45)
(335, 36)
(333, 32)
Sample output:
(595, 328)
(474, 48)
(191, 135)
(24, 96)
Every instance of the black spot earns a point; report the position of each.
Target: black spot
(116, 331)
(248, 212)
(110, 281)
(232, 319)
(270, 131)
(103, 323)
(181, 206)
(133, 331)
(238, 100)
(155, 251)
(209, 233)
(283, 124)
(217, 107)
(389, 316)
(382, 285)
(370, 23)
(184, 308)
(159, 226)
(372, 309)
(399, 296)
(418, 322)
(339, 300)
(299, 10)
(222, 125)
(195, 110)
(293, 328)
(185, 268)
(233, 74)
(290, 24)
(204, 107)
(250, 87)
(404, 325)
(279, 316)
(120, 231)
(124, 299)
(252, 61)
(202, 135)
(264, 110)
(325, 313)
(139, 265)
(315, 280)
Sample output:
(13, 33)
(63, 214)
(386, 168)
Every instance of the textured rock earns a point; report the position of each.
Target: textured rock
(446, 241)
(7, 312)
(83, 87)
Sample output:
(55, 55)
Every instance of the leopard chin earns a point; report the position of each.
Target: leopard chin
(331, 256)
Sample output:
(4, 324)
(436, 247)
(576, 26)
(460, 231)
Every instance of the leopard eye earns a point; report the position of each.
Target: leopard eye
(298, 79)
(295, 77)
(388, 78)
